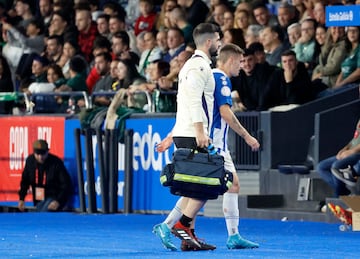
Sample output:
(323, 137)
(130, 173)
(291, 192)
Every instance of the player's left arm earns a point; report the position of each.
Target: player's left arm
(230, 118)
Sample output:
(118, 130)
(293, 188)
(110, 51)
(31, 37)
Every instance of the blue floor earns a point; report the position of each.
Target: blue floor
(70, 235)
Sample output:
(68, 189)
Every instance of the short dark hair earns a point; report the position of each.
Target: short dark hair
(107, 56)
(288, 52)
(124, 36)
(203, 29)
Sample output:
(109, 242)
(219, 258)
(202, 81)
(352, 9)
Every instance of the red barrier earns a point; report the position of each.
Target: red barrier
(17, 136)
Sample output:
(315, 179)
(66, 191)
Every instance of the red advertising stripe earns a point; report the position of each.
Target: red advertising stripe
(17, 136)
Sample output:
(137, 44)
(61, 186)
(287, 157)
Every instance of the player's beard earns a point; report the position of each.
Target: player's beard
(213, 51)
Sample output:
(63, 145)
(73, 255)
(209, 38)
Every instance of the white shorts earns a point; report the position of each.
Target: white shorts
(229, 164)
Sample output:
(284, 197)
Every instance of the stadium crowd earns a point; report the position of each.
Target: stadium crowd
(100, 47)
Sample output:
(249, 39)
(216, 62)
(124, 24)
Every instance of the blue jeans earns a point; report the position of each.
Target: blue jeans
(324, 169)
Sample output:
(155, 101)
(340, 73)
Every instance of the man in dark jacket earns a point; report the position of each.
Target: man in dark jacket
(290, 85)
(49, 180)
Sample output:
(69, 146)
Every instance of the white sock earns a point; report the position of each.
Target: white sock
(231, 212)
(174, 215)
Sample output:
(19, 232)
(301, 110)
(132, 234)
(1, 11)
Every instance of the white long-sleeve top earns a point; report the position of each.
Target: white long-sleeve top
(195, 79)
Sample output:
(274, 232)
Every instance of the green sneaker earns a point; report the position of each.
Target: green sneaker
(237, 242)
(162, 230)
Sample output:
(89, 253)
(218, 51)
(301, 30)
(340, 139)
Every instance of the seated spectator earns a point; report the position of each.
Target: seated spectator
(350, 67)
(76, 82)
(54, 48)
(48, 178)
(319, 12)
(103, 66)
(294, 34)
(320, 35)
(289, 85)
(102, 22)
(333, 169)
(249, 88)
(228, 21)
(38, 70)
(161, 41)
(45, 11)
(175, 42)
(272, 40)
(6, 85)
(55, 78)
(196, 11)
(151, 53)
(263, 15)
(60, 24)
(234, 36)
(169, 82)
(252, 34)
(166, 6)
(305, 47)
(121, 47)
(87, 30)
(127, 75)
(217, 15)
(70, 49)
(332, 55)
(242, 20)
(147, 19)
(177, 18)
(25, 10)
(286, 15)
(259, 52)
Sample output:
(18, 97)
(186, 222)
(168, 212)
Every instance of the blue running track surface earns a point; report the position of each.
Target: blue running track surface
(71, 235)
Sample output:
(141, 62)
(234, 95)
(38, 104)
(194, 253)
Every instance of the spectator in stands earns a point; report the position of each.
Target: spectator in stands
(228, 21)
(161, 41)
(286, 15)
(18, 44)
(104, 84)
(332, 55)
(336, 170)
(289, 85)
(177, 18)
(320, 35)
(259, 52)
(76, 82)
(103, 25)
(252, 34)
(55, 78)
(45, 11)
(54, 48)
(6, 85)
(95, 9)
(112, 8)
(38, 70)
(147, 19)
(167, 6)
(175, 42)
(61, 25)
(301, 9)
(350, 67)
(87, 30)
(242, 20)
(127, 75)
(234, 36)
(121, 47)
(218, 14)
(48, 178)
(319, 12)
(151, 53)
(23, 9)
(249, 87)
(294, 34)
(248, 7)
(272, 39)
(263, 15)
(117, 24)
(169, 82)
(70, 49)
(196, 11)
(305, 47)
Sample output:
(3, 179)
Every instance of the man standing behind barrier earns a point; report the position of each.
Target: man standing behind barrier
(49, 180)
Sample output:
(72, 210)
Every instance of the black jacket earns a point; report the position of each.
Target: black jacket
(58, 183)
